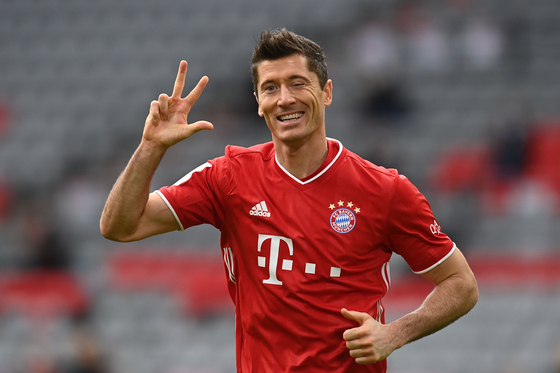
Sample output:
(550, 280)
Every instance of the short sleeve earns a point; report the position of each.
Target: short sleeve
(412, 230)
(197, 197)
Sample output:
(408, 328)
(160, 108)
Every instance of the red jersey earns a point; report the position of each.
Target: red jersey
(296, 252)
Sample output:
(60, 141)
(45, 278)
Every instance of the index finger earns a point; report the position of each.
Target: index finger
(180, 80)
(354, 333)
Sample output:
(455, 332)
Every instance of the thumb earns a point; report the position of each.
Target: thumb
(359, 317)
(201, 125)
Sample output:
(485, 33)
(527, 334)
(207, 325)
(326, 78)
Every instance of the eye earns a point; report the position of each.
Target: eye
(269, 88)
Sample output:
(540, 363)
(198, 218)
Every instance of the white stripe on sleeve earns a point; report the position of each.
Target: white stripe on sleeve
(439, 262)
(181, 228)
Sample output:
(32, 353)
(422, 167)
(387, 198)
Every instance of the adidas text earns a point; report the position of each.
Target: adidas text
(266, 214)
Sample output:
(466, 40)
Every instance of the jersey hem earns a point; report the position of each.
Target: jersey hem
(438, 262)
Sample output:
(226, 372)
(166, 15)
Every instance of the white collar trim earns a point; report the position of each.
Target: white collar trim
(340, 147)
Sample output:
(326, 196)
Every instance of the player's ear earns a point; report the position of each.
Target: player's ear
(257, 98)
(327, 91)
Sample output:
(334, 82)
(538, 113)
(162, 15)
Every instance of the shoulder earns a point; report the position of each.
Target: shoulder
(365, 167)
(240, 162)
(263, 151)
(242, 156)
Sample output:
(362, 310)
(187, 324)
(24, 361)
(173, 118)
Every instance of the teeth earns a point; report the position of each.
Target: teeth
(290, 116)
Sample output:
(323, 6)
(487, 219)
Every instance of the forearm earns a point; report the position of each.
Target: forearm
(129, 195)
(450, 300)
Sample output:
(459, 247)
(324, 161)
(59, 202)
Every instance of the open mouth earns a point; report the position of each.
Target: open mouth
(290, 117)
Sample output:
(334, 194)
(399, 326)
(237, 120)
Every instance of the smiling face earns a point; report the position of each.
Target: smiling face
(291, 99)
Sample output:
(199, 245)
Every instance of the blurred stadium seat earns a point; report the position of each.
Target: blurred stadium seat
(196, 280)
(462, 169)
(544, 155)
(43, 293)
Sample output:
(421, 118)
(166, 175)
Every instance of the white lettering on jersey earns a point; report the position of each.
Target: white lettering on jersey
(273, 259)
(435, 228)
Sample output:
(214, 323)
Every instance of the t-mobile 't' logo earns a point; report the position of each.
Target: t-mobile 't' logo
(273, 259)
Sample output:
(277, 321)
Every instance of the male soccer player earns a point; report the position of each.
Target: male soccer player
(307, 226)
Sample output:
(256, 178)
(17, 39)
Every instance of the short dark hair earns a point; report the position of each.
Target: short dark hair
(276, 44)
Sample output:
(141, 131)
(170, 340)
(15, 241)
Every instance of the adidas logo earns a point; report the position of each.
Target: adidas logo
(260, 209)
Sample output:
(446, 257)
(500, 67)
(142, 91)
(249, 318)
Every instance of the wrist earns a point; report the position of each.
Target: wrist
(399, 334)
(152, 148)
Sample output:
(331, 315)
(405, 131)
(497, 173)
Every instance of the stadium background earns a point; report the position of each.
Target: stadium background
(462, 96)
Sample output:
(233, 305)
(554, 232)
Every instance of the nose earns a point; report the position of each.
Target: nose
(286, 97)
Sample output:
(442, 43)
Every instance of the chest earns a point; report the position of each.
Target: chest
(329, 230)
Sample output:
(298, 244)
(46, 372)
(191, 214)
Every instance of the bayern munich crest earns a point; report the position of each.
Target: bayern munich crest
(343, 220)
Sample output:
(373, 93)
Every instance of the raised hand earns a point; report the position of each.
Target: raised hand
(369, 342)
(167, 122)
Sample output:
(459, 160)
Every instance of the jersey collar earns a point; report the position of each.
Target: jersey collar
(340, 148)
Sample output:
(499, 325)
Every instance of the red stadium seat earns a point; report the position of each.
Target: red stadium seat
(42, 294)
(203, 290)
(6, 200)
(516, 272)
(146, 270)
(197, 280)
(462, 169)
(544, 155)
(5, 118)
(471, 169)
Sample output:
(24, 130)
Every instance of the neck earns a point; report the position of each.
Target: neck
(301, 160)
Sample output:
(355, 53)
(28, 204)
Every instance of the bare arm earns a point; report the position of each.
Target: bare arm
(455, 294)
(131, 213)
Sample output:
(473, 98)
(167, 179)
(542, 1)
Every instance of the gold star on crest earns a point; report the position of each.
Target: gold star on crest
(350, 205)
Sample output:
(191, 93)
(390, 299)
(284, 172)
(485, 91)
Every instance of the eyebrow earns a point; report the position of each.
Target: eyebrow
(291, 78)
